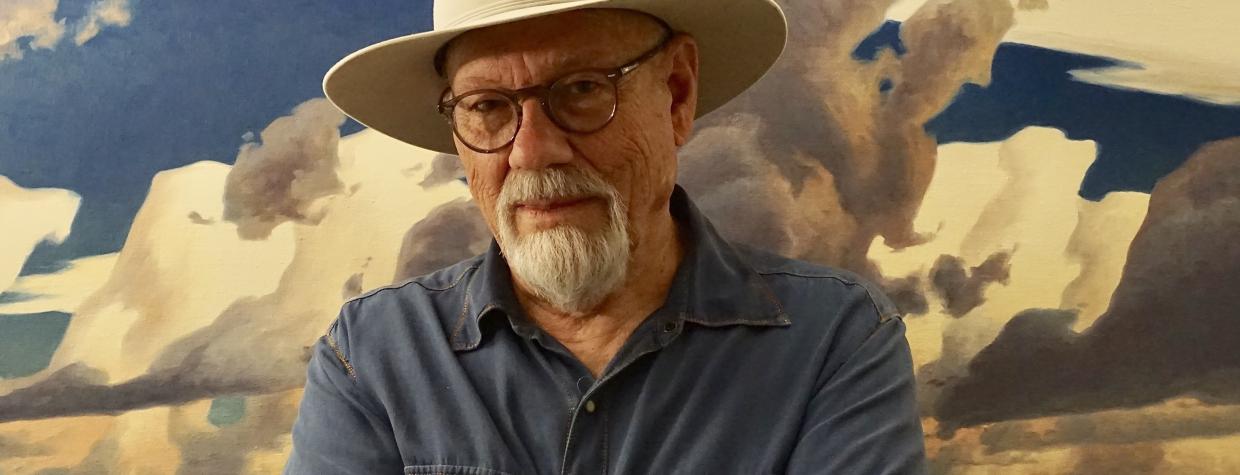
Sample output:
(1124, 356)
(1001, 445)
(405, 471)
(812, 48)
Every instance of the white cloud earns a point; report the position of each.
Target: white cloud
(1170, 46)
(36, 21)
(61, 291)
(185, 285)
(1001, 196)
(179, 268)
(183, 267)
(103, 13)
(28, 218)
(32, 19)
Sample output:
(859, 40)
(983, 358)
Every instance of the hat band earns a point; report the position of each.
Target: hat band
(499, 8)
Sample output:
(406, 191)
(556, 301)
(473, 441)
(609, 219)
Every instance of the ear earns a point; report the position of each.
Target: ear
(682, 84)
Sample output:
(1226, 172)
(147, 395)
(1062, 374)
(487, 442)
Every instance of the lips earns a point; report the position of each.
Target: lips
(548, 205)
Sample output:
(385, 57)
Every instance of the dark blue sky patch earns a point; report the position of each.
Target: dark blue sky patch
(28, 341)
(887, 36)
(70, 10)
(182, 83)
(1141, 136)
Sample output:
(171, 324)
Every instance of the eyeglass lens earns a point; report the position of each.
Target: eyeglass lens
(580, 102)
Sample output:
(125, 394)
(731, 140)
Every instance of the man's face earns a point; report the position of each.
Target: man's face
(567, 189)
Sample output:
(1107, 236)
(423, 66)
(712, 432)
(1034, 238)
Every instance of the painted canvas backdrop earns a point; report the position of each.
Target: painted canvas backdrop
(1049, 189)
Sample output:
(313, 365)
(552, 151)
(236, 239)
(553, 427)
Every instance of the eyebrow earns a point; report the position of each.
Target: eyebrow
(559, 66)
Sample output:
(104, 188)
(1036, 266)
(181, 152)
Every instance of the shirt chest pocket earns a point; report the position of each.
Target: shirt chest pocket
(450, 470)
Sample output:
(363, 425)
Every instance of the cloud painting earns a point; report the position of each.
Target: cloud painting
(1050, 191)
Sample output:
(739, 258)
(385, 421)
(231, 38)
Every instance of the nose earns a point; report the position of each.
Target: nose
(539, 142)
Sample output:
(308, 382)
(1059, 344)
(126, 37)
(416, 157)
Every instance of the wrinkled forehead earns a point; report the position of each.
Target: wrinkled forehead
(551, 44)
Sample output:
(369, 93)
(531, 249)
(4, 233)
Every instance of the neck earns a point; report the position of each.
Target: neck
(595, 336)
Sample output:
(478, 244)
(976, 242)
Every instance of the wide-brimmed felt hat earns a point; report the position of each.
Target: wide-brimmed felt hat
(393, 86)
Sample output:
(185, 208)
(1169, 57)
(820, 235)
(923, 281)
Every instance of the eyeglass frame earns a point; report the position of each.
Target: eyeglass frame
(540, 91)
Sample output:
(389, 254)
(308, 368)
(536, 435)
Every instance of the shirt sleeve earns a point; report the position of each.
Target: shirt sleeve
(864, 419)
(336, 431)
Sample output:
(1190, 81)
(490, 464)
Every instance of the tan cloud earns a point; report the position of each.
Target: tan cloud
(444, 168)
(102, 13)
(743, 193)
(260, 433)
(1181, 418)
(191, 310)
(34, 19)
(856, 160)
(1101, 225)
(64, 290)
(171, 277)
(285, 177)
(31, 216)
(171, 439)
(450, 233)
(48, 446)
(1004, 198)
(1135, 458)
(1170, 329)
(962, 289)
(1162, 47)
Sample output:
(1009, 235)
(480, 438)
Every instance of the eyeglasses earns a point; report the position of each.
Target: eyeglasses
(487, 120)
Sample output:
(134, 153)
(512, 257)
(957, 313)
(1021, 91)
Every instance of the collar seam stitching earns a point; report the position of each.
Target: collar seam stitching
(460, 321)
(780, 319)
(406, 282)
(882, 317)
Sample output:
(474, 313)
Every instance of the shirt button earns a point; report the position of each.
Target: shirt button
(590, 406)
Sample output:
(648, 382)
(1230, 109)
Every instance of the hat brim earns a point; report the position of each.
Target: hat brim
(392, 86)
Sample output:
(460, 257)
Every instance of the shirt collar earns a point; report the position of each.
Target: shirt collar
(713, 286)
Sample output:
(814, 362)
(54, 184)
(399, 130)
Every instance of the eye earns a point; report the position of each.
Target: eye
(486, 105)
(583, 87)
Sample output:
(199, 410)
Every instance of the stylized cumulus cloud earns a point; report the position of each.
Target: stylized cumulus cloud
(284, 178)
(103, 13)
(822, 157)
(1158, 47)
(30, 217)
(1172, 327)
(963, 290)
(35, 21)
(444, 168)
(452, 232)
(193, 311)
(30, 19)
(1165, 422)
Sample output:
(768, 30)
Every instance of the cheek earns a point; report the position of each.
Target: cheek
(486, 180)
(647, 162)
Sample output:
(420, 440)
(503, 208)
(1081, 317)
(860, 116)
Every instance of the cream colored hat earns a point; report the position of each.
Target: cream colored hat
(392, 86)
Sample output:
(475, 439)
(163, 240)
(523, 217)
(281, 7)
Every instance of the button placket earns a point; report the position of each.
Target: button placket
(585, 445)
(651, 340)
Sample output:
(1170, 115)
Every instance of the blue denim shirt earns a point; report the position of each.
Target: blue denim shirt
(754, 364)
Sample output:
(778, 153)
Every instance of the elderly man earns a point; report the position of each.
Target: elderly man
(609, 329)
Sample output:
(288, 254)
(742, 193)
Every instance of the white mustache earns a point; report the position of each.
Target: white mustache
(550, 185)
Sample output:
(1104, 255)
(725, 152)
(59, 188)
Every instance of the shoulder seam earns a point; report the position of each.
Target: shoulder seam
(331, 342)
(413, 280)
(882, 317)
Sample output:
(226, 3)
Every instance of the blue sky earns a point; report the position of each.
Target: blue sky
(186, 80)
(1141, 136)
(182, 83)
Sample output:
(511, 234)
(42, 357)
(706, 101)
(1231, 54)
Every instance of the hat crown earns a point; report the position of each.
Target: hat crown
(392, 87)
(451, 13)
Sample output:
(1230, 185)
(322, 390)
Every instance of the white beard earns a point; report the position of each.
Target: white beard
(570, 268)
